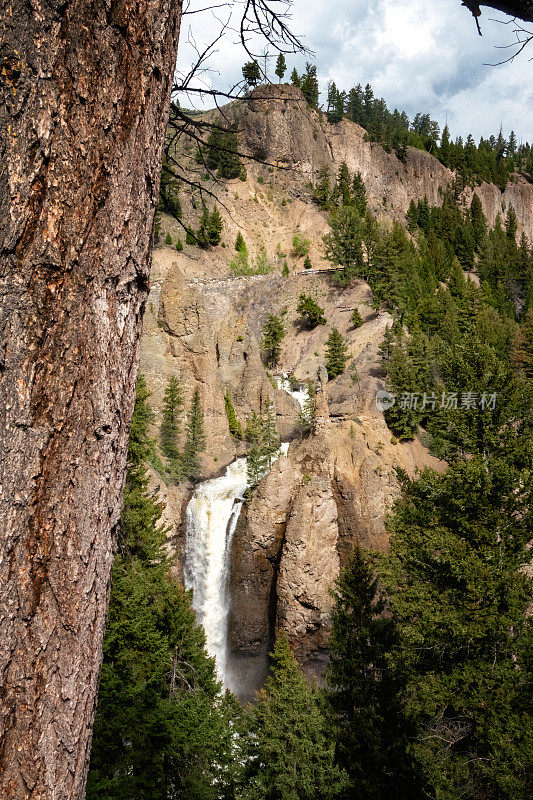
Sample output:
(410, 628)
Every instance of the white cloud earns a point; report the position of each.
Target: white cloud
(418, 60)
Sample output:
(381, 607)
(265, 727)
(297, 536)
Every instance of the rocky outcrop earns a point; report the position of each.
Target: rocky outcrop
(277, 126)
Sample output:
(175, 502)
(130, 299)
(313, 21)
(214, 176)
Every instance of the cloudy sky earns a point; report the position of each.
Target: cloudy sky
(418, 60)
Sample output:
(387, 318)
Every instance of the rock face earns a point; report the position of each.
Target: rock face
(277, 126)
(203, 324)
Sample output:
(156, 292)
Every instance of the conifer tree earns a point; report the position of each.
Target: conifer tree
(344, 244)
(195, 437)
(222, 153)
(252, 432)
(295, 79)
(523, 346)
(307, 262)
(306, 417)
(251, 73)
(309, 85)
(287, 753)
(168, 239)
(214, 227)
(479, 223)
(343, 186)
(358, 194)
(281, 66)
(459, 600)
(269, 434)
(240, 245)
(356, 318)
(235, 427)
(321, 189)
(169, 429)
(273, 332)
(310, 312)
(336, 350)
(363, 694)
(511, 224)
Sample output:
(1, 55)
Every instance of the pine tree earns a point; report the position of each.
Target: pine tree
(479, 223)
(195, 438)
(321, 189)
(179, 245)
(335, 356)
(252, 432)
(168, 239)
(344, 244)
(251, 73)
(295, 79)
(273, 333)
(222, 153)
(269, 434)
(522, 354)
(311, 313)
(169, 429)
(287, 753)
(356, 318)
(306, 417)
(214, 227)
(281, 66)
(240, 245)
(363, 694)
(309, 85)
(342, 192)
(511, 224)
(161, 727)
(307, 262)
(358, 195)
(235, 427)
(459, 600)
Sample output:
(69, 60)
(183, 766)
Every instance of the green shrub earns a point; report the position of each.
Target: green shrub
(300, 245)
(310, 312)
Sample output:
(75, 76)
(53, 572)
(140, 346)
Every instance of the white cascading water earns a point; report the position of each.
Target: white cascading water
(212, 515)
(299, 394)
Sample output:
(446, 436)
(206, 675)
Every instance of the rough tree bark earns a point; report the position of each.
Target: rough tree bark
(85, 87)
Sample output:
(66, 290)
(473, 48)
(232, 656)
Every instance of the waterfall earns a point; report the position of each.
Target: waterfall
(211, 519)
(299, 394)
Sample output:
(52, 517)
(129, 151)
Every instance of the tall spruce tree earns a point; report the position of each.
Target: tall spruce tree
(459, 598)
(235, 427)
(195, 437)
(311, 314)
(273, 333)
(170, 427)
(335, 356)
(344, 244)
(281, 66)
(286, 749)
(364, 695)
(269, 434)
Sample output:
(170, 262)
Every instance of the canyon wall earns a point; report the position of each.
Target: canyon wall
(203, 325)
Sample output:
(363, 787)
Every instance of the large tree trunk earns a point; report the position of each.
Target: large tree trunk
(85, 87)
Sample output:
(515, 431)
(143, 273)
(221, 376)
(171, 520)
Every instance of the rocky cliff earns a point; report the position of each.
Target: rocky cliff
(204, 325)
